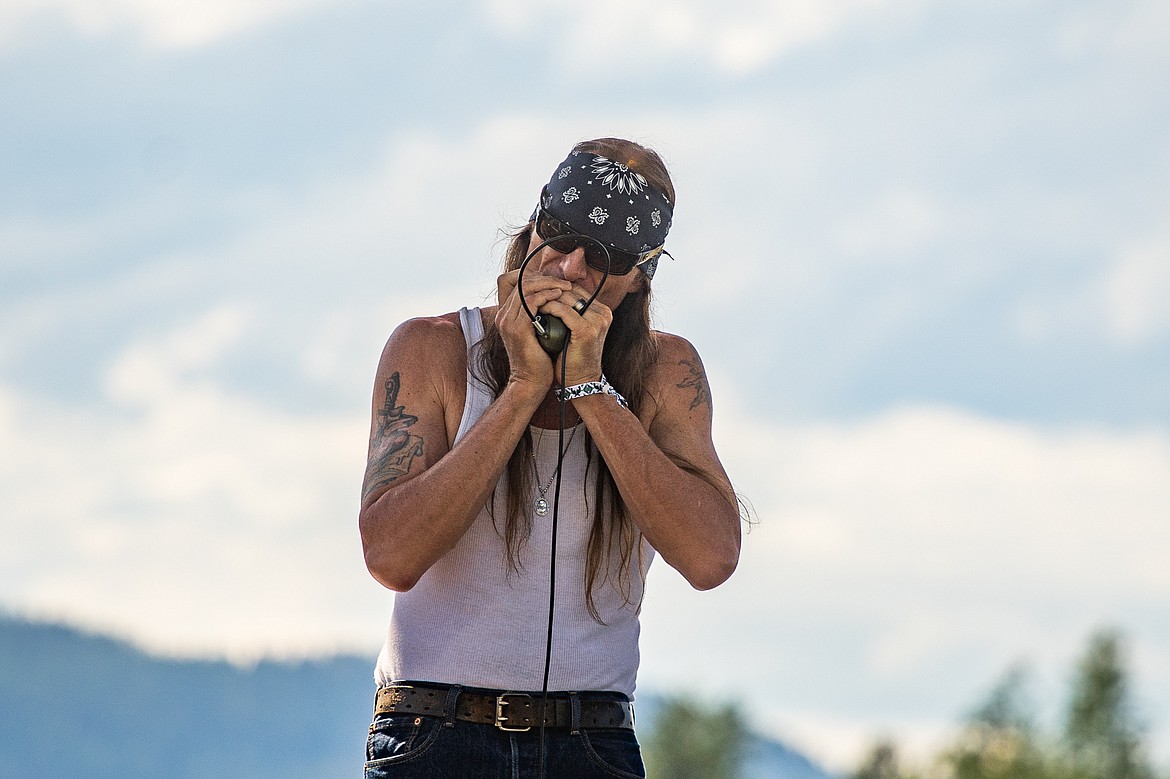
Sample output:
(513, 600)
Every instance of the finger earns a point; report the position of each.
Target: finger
(507, 284)
(538, 300)
(590, 323)
(538, 282)
(579, 293)
(578, 300)
(577, 303)
(511, 278)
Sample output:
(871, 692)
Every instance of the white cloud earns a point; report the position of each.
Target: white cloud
(167, 24)
(1122, 303)
(895, 227)
(735, 38)
(1136, 28)
(762, 31)
(1135, 291)
(893, 552)
(901, 561)
(158, 367)
(192, 519)
(890, 552)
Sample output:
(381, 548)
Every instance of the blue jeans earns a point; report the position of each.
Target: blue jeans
(407, 746)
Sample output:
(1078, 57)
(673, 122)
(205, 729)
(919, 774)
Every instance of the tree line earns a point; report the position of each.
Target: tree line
(1101, 736)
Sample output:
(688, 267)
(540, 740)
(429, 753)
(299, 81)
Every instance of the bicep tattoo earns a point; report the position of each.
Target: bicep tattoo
(696, 381)
(393, 448)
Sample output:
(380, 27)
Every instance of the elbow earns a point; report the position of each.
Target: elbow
(714, 570)
(718, 562)
(712, 576)
(386, 572)
(388, 568)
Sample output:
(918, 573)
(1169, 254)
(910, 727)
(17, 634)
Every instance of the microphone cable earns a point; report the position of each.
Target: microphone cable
(550, 335)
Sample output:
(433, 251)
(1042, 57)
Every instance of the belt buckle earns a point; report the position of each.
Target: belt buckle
(502, 718)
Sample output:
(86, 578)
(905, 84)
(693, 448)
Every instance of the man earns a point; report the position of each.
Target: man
(460, 493)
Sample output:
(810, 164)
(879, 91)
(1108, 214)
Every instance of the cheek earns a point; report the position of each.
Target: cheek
(538, 261)
(617, 287)
(545, 261)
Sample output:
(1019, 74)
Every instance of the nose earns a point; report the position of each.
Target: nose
(572, 265)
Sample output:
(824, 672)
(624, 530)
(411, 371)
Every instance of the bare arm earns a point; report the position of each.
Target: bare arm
(664, 464)
(420, 494)
(670, 477)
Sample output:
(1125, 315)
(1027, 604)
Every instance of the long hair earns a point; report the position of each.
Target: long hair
(630, 351)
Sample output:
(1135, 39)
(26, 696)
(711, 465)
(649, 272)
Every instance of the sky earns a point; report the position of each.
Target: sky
(923, 248)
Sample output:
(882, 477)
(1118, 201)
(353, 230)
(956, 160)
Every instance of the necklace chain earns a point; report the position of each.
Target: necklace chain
(540, 505)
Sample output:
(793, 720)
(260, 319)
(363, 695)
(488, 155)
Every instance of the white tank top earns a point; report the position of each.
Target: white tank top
(471, 620)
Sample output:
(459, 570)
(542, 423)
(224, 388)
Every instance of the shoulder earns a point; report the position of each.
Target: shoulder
(426, 352)
(430, 337)
(439, 331)
(671, 346)
(422, 372)
(678, 380)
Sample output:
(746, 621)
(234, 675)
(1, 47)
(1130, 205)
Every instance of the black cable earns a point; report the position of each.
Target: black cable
(552, 566)
(552, 584)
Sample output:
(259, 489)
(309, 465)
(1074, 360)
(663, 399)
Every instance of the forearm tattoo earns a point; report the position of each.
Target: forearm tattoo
(697, 381)
(393, 448)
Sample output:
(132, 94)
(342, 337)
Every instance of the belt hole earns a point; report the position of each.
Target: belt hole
(418, 720)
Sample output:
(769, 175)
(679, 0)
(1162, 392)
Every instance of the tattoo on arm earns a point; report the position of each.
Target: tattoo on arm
(697, 381)
(393, 449)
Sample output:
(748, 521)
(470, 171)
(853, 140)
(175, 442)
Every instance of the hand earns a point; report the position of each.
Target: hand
(582, 356)
(528, 360)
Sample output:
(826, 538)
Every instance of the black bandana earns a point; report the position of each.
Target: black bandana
(604, 199)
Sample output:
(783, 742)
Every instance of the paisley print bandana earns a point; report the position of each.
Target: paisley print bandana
(604, 199)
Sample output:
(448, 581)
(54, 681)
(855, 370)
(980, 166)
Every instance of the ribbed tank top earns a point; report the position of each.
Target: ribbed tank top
(472, 620)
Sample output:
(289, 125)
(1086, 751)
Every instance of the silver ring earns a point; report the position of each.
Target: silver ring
(579, 306)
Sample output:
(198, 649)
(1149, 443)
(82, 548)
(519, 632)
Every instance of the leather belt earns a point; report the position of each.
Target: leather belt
(511, 711)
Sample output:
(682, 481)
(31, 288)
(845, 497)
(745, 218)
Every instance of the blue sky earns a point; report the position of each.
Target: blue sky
(924, 250)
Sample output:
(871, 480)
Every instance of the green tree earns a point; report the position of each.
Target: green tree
(693, 741)
(881, 763)
(999, 740)
(1102, 739)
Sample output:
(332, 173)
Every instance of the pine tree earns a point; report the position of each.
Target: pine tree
(692, 741)
(999, 740)
(882, 763)
(1102, 740)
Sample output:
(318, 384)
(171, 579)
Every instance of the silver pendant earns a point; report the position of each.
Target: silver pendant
(541, 507)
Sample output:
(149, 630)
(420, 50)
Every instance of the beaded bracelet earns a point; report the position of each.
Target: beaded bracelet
(592, 388)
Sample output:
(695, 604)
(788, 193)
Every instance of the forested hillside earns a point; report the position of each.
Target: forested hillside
(75, 705)
(79, 705)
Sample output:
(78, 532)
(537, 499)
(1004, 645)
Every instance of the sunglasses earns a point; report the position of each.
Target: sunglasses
(565, 240)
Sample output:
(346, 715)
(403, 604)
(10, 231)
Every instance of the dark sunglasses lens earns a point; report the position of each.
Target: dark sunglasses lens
(548, 227)
(564, 245)
(620, 263)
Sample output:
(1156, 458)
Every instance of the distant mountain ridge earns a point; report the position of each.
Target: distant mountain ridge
(74, 704)
(78, 705)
